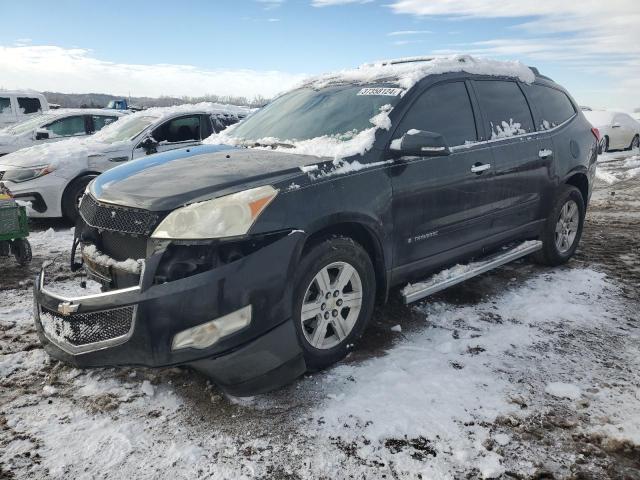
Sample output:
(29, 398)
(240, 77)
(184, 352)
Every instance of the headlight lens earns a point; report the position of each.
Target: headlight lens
(19, 175)
(227, 216)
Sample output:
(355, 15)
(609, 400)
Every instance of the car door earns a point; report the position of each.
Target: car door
(440, 203)
(7, 111)
(63, 128)
(521, 158)
(178, 132)
(98, 122)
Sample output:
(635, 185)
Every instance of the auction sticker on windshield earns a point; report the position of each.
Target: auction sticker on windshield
(390, 92)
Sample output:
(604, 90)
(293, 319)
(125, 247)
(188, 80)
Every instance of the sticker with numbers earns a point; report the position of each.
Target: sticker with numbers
(389, 92)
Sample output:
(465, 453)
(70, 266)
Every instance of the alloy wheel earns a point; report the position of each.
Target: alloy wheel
(567, 226)
(331, 305)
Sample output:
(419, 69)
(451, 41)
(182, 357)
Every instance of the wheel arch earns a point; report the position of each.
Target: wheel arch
(89, 173)
(362, 230)
(580, 180)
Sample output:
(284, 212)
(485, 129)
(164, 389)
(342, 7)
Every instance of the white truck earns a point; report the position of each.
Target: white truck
(19, 106)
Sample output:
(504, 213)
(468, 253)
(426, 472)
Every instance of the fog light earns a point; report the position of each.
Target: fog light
(207, 334)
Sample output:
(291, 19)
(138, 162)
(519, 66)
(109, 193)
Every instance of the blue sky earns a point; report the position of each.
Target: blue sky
(216, 46)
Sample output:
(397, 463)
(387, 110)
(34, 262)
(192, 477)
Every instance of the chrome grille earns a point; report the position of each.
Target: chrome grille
(116, 218)
(94, 329)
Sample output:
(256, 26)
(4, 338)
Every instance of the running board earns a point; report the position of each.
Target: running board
(460, 273)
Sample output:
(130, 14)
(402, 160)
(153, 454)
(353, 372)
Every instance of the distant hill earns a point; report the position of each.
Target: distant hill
(100, 100)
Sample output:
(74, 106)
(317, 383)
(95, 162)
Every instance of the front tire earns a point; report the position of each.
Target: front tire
(333, 300)
(72, 195)
(563, 228)
(635, 143)
(604, 144)
(22, 251)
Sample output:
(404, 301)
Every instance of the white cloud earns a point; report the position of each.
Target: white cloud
(408, 32)
(331, 3)
(78, 71)
(599, 39)
(271, 4)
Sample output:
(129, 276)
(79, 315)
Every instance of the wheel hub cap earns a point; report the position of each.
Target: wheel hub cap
(331, 305)
(567, 226)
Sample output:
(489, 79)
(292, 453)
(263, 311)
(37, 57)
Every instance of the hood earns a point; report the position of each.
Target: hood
(57, 153)
(169, 180)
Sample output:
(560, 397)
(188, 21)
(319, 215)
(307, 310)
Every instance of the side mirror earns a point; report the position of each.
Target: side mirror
(42, 134)
(149, 145)
(420, 144)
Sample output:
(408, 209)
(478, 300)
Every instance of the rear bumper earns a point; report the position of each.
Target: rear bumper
(136, 325)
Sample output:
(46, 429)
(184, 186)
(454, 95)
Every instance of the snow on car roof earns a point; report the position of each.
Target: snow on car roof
(599, 117)
(407, 72)
(202, 107)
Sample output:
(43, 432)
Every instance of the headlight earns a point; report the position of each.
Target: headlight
(19, 175)
(221, 217)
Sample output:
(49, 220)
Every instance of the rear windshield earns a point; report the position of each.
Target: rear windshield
(27, 125)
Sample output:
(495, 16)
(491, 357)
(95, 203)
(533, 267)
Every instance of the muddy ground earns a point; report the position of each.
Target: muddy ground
(281, 435)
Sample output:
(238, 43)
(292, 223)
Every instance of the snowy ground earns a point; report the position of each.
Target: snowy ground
(525, 372)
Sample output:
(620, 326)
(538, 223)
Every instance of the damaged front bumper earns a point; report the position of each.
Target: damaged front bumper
(137, 325)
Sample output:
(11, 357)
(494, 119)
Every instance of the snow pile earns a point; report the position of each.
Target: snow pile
(341, 167)
(91, 253)
(406, 75)
(563, 390)
(505, 130)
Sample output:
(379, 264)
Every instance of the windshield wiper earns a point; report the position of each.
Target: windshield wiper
(273, 145)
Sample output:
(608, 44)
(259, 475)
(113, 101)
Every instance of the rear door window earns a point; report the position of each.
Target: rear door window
(29, 105)
(100, 121)
(5, 106)
(68, 127)
(182, 129)
(444, 109)
(505, 109)
(554, 105)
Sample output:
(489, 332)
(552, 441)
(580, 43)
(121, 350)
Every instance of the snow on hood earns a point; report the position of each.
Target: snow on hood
(58, 153)
(406, 75)
(332, 146)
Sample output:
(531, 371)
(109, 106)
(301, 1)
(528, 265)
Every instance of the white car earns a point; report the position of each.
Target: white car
(618, 130)
(19, 106)
(53, 177)
(53, 126)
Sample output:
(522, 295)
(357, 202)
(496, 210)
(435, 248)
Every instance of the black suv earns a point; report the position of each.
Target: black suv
(260, 255)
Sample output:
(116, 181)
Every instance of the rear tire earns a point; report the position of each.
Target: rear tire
(635, 143)
(333, 300)
(604, 144)
(563, 228)
(22, 251)
(72, 195)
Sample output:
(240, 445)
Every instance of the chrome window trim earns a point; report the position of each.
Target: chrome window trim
(496, 140)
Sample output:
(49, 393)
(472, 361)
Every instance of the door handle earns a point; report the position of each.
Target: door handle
(545, 152)
(480, 167)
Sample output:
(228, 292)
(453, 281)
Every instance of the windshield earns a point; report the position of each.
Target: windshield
(27, 125)
(338, 111)
(124, 129)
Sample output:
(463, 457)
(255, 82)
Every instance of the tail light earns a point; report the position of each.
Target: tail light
(596, 133)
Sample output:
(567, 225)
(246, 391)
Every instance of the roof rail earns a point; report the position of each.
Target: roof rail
(398, 61)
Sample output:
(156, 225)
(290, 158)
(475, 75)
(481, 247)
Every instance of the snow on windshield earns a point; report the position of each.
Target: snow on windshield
(336, 146)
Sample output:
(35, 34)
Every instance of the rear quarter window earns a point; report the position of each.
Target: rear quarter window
(505, 109)
(554, 106)
(29, 105)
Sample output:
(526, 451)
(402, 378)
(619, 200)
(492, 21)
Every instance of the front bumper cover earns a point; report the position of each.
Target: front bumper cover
(92, 331)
